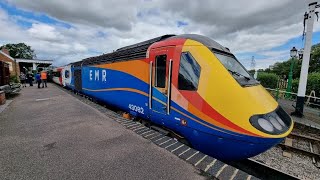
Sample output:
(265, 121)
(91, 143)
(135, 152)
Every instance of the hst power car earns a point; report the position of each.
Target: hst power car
(190, 85)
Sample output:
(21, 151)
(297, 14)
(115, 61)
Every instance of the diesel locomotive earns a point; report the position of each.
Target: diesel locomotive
(190, 85)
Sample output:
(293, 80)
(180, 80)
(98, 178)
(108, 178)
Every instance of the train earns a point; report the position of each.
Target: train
(55, 75)
(189, 85)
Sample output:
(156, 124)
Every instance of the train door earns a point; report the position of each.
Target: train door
(66, 75)
(78, 79)
(161, 60)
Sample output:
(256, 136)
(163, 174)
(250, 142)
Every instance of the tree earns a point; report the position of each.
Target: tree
(20, 50)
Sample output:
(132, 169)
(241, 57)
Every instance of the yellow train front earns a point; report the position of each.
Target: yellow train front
(193, 86)
(238, 117)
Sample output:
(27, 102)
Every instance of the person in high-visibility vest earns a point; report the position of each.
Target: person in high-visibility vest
(43, 77)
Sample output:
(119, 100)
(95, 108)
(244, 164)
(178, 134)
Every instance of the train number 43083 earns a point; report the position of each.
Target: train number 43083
(136, 108)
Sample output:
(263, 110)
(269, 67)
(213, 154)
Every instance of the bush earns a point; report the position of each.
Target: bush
(14, 79)
(313, 83)
(295, 85)
(268, 80)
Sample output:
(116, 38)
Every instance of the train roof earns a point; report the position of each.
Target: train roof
(139, 50)
(211, 44)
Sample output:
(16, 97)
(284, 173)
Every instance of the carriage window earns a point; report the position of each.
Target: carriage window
(66, 74)
(189, 72)
(56, 74)
(160, 75)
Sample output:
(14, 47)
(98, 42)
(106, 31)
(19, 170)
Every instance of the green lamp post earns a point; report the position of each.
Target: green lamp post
(293, 53)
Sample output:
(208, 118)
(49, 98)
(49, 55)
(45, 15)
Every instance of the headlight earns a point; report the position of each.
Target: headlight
(280, 120)
(276, 122)
(265, 124)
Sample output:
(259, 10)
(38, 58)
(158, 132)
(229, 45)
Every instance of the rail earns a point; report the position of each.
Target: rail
(260, 170)
(313, 142)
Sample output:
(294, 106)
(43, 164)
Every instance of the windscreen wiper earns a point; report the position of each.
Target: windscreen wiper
(238, 74)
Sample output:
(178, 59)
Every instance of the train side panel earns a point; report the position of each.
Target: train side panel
(117, 88)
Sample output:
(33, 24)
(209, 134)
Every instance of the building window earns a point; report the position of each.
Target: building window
(160, 74)
(189, 73)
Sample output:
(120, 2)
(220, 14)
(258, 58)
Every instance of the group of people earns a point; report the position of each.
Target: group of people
(41, 78)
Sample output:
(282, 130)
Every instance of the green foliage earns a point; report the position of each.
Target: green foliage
(282, 69)
(20, 50)
(295, 85)
(251, 72)
(268, 80)
(313, 83)
(14, 79)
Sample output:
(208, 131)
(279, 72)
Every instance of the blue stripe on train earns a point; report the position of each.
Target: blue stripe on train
(219, 143)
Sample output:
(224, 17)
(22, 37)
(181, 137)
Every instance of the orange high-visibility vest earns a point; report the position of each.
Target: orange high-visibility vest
(43, 75)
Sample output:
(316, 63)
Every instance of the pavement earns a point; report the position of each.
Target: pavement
(311, 115)
(48, 134)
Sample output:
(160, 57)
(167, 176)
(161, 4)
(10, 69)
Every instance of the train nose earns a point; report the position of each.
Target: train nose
(275, 123)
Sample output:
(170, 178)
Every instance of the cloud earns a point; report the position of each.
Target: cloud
(112, 14)
(99, 26)
(45, 32)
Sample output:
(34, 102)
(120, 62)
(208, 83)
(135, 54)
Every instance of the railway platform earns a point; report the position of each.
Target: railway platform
(52, 133)
(311, 115)
(48, 134)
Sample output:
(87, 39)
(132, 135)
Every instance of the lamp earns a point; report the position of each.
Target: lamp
(300, 53)
(293, 52)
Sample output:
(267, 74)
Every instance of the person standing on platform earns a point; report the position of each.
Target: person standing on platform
(38, 79)
(30, 78)
(23, 79)
(44, 78)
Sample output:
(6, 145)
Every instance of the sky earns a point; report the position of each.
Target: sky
(68, 31)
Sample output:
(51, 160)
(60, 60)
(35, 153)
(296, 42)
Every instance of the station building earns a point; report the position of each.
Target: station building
(6, 58)
(17, 65)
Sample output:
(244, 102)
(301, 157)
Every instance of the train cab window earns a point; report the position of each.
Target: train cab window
(66, 74)
(160, 74)
(189, 72)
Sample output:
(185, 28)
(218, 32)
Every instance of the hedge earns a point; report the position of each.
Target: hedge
(268, 80)
(312, 84)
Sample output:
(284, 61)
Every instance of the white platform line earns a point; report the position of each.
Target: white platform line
(141, 130)
(192, 155)
(150, 134)
(137, 128)
(164, 142)
(132, 125)
(184, 151)
(171, 145)
(146, 132)
(129, 123)
(177, 148)
(210, 165)
(221, 169)
(234, 174)
(160, 138)
(44, 99)
(156, 136)
(200, 160)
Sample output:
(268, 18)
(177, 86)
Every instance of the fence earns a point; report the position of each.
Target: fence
(311, 100)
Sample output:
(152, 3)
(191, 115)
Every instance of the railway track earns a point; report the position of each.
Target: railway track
(245, 169)
(311, 146)
(260, 170)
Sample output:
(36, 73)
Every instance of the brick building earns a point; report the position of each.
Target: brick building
(13, 65)
(17, 65)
